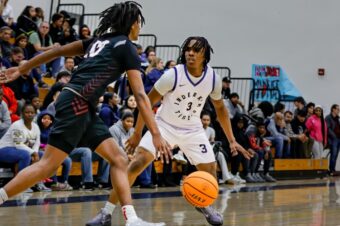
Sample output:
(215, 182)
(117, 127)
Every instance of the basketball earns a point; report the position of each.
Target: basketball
(200, 189)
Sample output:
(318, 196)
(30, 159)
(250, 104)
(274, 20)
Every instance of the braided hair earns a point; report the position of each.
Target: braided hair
(201, 43)
(120, 17)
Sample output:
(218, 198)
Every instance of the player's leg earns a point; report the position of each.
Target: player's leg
(198, 150)
(29, 176)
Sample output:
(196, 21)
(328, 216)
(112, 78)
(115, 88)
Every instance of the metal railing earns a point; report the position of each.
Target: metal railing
(168, 52)
(222, 71)
(91, 20)
(243, 87)
(146, 40)
(75, 10)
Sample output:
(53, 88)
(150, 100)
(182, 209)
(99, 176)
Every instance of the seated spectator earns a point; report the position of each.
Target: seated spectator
(5, 120)
(22, 42)
(276, 135)
(299, 127)
(109, 111)
(21, 142)
(256, 134)
(239, 129)
(153, 72)
(226, 88)
(5, 45)
(300, 104)
(14, 59)
(39, 16)
(264, 110)
(56, 28)
(36, 104)
(310, 109)
(26, 22)
(12, 103)
(297, 139)
(234, 105)
(317, 129)
(68, 65)
(279, 107)
(45, 122)
(84, 32)
(42, 42)
(130, 104)
(70, 34)
(169, 64)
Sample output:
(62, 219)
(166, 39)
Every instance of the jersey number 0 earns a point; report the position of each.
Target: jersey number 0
(96, 48)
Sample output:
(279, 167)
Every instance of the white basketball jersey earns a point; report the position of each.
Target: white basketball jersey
(182, 106)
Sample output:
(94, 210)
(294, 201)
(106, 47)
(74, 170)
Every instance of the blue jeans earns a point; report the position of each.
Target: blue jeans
(15, 155)
(334, 152)
(56, 65)
(145, 177)
(282, 148)
(83, 155)
(103, 168)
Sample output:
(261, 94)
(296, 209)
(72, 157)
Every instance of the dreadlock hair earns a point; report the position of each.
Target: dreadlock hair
(201, 43)
(120, 17)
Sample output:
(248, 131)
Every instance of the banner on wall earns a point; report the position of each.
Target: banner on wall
(270, 79)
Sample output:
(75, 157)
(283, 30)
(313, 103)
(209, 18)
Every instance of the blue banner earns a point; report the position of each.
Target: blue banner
(272, 82)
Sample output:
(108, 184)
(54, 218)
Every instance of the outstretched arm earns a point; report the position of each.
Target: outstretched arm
(224, 120)
(72, 49)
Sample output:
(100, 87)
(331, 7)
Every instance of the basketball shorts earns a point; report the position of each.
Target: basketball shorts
(194, 144)
(76, 124)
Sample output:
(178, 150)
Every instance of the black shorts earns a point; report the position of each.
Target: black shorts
(76, 124)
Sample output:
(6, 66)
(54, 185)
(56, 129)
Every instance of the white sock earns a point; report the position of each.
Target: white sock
(109, 208)
(129, 213)
(3, 196)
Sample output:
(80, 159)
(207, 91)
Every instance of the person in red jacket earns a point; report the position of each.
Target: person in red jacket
(11, 102)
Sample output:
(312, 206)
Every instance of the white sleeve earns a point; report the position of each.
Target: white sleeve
(36, 145)
(216, 94)
(19, 138)
(166, 82)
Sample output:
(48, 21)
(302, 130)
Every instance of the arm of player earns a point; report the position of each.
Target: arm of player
(224, 120)
(145, 110)
(72, 49)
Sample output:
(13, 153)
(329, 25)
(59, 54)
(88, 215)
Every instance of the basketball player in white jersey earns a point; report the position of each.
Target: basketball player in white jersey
(184, 90)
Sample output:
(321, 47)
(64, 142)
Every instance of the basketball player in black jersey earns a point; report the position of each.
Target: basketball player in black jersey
(76, 122)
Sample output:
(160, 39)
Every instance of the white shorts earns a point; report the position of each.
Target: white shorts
(194, 144)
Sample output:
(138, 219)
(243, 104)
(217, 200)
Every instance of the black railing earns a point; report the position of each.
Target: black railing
(243, 87)
(222, 71)
(75, 10)
(146, 40)
(91, 20)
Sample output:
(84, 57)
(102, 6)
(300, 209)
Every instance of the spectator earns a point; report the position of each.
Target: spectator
(39, 16)
(169, 64)
(130, 104)
(45, 122)
(22, 42)
(84, 32)
(5, 120)
(56, 28)
(16, 56)
(153, 73)
(109, 111)
(300, 104)
(256, 135)
(12, 103)
(279, 107)
(26, 22)
(36, 104)
(5, 38)
(68, 65)
(226, 88)
(6, 13)
(310, 109)
(234, 105)
(42, 42)
(317, 128)
(276, 130)
(299, 127)
(333, 125)
(70, 33)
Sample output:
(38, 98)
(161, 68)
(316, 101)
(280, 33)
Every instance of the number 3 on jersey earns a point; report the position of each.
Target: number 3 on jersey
(96, 48)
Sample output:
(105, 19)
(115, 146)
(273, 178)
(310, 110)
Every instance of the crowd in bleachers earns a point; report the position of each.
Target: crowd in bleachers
(267, 131)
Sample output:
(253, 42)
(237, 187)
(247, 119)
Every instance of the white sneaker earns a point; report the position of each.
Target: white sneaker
(140, 222)
(180, 158)
(241, 181)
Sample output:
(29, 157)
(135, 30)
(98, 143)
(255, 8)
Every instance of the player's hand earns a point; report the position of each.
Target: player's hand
(132, 142)
(163, 148)
(9, 75)
(235, 148)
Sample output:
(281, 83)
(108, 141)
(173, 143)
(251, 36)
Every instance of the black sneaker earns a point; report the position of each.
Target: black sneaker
(151, 186)
(211, 215)
(87, 186)
(102, 219)
(104, 186)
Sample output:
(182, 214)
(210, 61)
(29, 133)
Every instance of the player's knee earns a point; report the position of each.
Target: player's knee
(118, 160)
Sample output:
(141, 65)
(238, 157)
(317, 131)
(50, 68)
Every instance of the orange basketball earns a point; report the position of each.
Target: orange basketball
(200, 189)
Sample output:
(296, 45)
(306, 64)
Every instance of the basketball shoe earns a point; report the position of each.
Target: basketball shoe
(211, 215)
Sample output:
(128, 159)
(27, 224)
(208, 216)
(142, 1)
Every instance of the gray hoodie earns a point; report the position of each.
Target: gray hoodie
(119, 133)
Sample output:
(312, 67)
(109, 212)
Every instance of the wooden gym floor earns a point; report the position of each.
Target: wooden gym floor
(299, 202)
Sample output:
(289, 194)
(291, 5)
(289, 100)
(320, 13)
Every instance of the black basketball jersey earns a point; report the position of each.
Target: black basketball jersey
(106, 58)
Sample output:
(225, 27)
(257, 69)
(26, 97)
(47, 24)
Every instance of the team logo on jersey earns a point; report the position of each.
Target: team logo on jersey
(189, 104)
